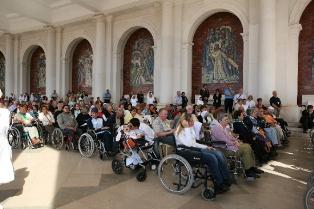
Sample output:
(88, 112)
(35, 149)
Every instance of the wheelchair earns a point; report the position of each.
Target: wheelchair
(90, 141)
(135, 155)
(181, 171)
(19, 138)
(308, 198)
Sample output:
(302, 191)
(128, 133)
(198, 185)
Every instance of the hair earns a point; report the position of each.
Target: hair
(220, 115)
(310, 107)
(259, 99)
(185, 116)
(135, 122)
(237, 114)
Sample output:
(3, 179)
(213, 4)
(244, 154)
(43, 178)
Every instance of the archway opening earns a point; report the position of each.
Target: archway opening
(36, 75)
(306, 54)
(138, 62)
(81, 67)
(217, 54)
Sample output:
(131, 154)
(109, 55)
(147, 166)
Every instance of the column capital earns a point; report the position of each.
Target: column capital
(59, 29)
(245, 36)
(295, 29)
(8, 36)
(17, 37)
(109, 18)
(50, 28)
(99, 17)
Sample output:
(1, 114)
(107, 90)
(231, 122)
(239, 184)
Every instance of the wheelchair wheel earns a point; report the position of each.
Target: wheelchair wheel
(175, 174)
(141, 176)
(86, 145)
(57, 138)
(208, 194)
(310, 181)
(309, 198)
(14, 138)
(117, 166)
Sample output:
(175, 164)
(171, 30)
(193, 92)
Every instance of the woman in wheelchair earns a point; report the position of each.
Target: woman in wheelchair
(26, 120)
(214, 159)
(221, 132)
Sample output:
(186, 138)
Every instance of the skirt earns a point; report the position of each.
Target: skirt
(6, 167)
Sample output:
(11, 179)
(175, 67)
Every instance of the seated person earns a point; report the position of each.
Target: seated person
(163, 132)
(68, 124)
(99, 125)
(47, 120)
(268, 127)
(221, 132)
(82, 118)
(307, 118)
(247, 136)
(141, 131)
(25, 119)
(185, 135)
(58, 110)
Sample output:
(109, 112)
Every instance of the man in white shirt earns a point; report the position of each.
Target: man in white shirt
(141, 131)
(178, 99)
(238, 96)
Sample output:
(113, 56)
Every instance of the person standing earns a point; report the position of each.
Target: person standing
(204, 92)
(140, 97)
(107, 96)
(178, 99)
(228, 92)
(307, 118)
(275, 102)
(217, 99)
(6, 167)
(184, 100)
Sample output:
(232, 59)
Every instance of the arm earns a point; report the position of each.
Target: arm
(60, 121)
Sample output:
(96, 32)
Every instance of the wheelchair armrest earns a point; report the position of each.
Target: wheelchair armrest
(189, 148)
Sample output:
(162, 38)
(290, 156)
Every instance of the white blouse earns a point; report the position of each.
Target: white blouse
(187, 137)
(46, 119)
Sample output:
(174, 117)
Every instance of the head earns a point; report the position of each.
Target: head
(217, 91)
(259, 101)
(23, 108)
(107, 91)
(66, 108)
(186, 121)
(250, 97)
(204, 86)
(275, 93)
(178, 93)
(60, 105)
(189, 109)
(238, 115)
(134, 124)
(163, 114)
(133, 111)
(94, 112)
(44, 109)
(183, 93)
(223, 119)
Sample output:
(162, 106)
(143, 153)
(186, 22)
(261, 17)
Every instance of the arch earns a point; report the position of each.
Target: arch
(122, 34)
(210, 9)
(2, 72)
(26, 69)
(218, 53)
(69, 73)
(306, 53)
(297, 11)
(139, 50)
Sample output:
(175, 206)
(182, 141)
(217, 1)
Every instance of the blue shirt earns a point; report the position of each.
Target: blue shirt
(228, 93)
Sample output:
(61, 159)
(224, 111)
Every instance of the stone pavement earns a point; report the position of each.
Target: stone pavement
(48, 178)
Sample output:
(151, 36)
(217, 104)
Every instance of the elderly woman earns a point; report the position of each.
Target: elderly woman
(221, 132)
(215, 160)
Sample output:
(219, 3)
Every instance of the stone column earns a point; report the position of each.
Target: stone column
(267, 49)
(51, 61)
(17, 65)
(58, 62)
(186, 71)
(246, 71)
(117, 79)
(165, 71)
(9, 67)
(108, 71)
(99, 76)
(292, 64)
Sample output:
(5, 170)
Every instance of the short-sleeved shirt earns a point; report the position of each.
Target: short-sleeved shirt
(161, 126)
(275, 100)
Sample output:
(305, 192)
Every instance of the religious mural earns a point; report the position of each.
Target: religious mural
(138, 62)
(142, 62)
(220, 58)
(82, 67)
(38, 72)
(2, 73)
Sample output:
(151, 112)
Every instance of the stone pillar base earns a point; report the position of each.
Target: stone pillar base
(291, 114)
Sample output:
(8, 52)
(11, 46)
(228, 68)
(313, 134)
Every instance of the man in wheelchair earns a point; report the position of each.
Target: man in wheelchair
(214, 159)
(141, 132)
(68, 124)
(102, 129)
(24, 123)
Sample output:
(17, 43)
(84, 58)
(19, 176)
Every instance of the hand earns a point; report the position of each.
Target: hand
(211, 148)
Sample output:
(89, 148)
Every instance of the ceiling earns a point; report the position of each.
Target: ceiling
(24, 15)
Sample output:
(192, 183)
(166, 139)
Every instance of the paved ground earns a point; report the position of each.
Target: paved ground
(47, 178)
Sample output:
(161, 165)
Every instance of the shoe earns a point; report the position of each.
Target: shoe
(258, 171)
(219, 189)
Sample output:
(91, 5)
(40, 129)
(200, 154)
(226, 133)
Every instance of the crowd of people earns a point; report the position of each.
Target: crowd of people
(250, 130)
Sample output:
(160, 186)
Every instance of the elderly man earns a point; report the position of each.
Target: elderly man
(275, 102)
(163, 131)
(178, 99)
(67, 123)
